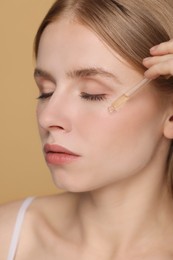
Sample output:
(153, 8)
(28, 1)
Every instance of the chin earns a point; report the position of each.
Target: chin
(75, 186)
(67, 185)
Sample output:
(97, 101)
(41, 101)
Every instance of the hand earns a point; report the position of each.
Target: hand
(161, 61)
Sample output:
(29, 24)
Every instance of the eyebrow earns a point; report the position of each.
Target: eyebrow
(80, 73)
(91, 72)
(39, 73)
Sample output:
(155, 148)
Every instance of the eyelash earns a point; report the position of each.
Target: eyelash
(86, 96)
(98, 97)
(45, 95)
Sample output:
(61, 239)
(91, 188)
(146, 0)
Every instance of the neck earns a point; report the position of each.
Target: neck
(127, 214)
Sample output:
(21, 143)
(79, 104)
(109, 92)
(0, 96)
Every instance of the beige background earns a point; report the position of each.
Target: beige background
(23, 171)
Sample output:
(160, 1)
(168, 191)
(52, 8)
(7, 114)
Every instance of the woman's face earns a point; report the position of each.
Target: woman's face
(78, 77)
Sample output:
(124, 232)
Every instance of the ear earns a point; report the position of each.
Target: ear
(168, 127)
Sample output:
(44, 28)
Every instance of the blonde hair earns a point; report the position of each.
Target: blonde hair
(129, 27)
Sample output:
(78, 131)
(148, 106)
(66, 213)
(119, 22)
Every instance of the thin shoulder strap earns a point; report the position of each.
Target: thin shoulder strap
(17, 228)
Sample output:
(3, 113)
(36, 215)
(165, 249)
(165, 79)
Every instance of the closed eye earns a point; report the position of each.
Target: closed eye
(93, 97)
(45, 95)
(86, 96)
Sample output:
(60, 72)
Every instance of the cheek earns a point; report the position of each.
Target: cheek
(132, 132)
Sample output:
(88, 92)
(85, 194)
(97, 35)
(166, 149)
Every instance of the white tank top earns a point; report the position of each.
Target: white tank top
(17, 228)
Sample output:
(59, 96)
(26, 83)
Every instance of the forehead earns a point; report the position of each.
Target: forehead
(66, 35)
(65, 44)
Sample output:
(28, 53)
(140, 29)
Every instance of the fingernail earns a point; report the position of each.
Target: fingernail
(154, 48)
(145, 59)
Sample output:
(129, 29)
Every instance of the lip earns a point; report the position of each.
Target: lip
(54, 148)
(56, 154)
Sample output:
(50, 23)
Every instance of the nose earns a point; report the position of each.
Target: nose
(54, 114)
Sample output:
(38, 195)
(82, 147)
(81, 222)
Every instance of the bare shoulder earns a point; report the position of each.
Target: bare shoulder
(8, 214)
(45, 217)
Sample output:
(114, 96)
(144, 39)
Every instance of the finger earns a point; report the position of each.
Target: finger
(150, 61)
(161, 69)
(162, 48)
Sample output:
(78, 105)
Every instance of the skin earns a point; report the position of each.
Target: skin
(117, 205)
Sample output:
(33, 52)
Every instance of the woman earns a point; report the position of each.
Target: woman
(116, 167)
